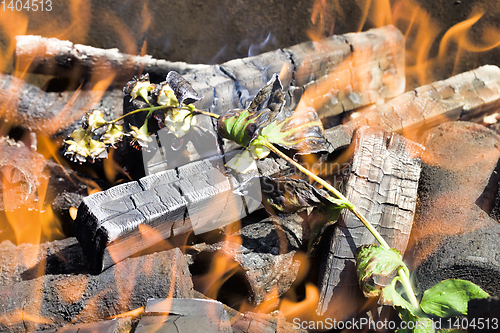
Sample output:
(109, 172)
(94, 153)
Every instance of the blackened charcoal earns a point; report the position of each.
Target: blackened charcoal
(483, 315)
(453, 236)
(69, 298)
(182, 89)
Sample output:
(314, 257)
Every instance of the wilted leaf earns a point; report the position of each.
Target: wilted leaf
(182, 88)
(372, 261)
(450, 297)
(272, 92)
(282, 196)
(301, 131)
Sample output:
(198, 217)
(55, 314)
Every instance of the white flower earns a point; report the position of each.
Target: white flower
(167, 96)
(242, 162)
(142, 88)
(141, 135)
(96, 120)
(179, 122)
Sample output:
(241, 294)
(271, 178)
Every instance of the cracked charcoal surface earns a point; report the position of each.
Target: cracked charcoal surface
(453, 236)
(383, 185)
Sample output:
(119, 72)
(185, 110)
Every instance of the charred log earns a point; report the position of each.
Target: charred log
(195, 197)
(52, 301)
(466, 96)
(31, 108)
(383, 184)
(62, 58)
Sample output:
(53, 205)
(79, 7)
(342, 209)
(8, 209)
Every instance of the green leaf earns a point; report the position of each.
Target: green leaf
(415, 324)
(372, 261)
(389, 296)
(302, 131)
(450, 297)
(241, 126)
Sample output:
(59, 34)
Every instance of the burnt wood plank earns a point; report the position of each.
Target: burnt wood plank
(54, 301)
(466, 96)
(382, 183)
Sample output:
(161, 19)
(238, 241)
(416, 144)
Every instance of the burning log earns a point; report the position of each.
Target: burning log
(453, 236)
(52, 301)
(115, 224)
(62, 58)
(375, 71)
(265, 254)
(383, 184)
(30, 107)
(465, 96)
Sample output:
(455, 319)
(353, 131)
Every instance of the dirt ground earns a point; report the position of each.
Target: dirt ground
(214, 31)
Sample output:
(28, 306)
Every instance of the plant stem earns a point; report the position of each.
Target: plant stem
(404, 278)
(405, 281)
(332, 189)
(210, 114)
(150, 109)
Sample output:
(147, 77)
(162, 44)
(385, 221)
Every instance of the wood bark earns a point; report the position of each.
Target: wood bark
(382, 183)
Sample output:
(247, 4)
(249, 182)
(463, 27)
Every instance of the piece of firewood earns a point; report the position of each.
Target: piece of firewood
(115, 224)
(121, 325)
(382, 183)
(247, 322)
(53, 301)
(28, 106)
(62, 58)
(466, 96)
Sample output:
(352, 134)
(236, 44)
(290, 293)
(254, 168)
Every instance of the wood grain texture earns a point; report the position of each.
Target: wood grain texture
(383, 184)
(466, 96)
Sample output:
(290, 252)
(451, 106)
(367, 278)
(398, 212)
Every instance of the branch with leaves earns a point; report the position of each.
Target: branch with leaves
(261, 128)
